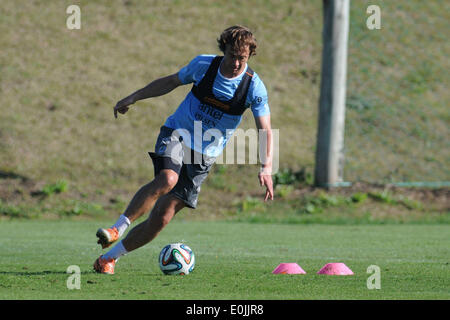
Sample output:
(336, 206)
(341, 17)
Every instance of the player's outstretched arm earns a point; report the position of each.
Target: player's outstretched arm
(265, 174)
(155, 88)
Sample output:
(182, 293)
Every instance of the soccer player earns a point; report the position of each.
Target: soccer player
(223, 88)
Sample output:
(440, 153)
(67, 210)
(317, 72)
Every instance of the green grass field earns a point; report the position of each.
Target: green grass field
(67, 166)
(233, 261)
(59, 86)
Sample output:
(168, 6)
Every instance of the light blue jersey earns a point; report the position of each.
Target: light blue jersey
(193, 119)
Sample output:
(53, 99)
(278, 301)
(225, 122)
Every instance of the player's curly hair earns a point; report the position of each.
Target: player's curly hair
(238, 37)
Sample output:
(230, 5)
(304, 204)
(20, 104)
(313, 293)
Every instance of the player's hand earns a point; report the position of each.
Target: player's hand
(265, 179)
(123, 105)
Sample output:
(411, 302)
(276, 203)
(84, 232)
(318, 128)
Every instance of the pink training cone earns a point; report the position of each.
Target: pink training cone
(337, 269)
(288, 268)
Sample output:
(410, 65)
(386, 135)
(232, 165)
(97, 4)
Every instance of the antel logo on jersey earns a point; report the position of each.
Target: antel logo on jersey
(212, 112)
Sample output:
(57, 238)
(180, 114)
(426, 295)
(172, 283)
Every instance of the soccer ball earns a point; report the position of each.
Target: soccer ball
(176, 258)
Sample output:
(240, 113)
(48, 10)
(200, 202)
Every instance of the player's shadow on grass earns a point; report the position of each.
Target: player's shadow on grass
(40, 273)
(12, 175)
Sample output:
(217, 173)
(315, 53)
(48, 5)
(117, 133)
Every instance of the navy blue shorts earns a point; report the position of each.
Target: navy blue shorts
(192, 167)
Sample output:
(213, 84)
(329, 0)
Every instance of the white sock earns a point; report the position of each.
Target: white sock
(116, 252)
(122, 224)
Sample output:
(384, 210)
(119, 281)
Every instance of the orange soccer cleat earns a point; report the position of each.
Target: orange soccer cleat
(105, 266)
(107, 237)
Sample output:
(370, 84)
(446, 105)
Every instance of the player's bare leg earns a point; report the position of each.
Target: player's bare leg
(142, 202)
(145, 198)
(164, 210)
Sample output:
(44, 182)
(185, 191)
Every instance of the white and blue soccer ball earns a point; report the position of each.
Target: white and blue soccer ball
(176, 258)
